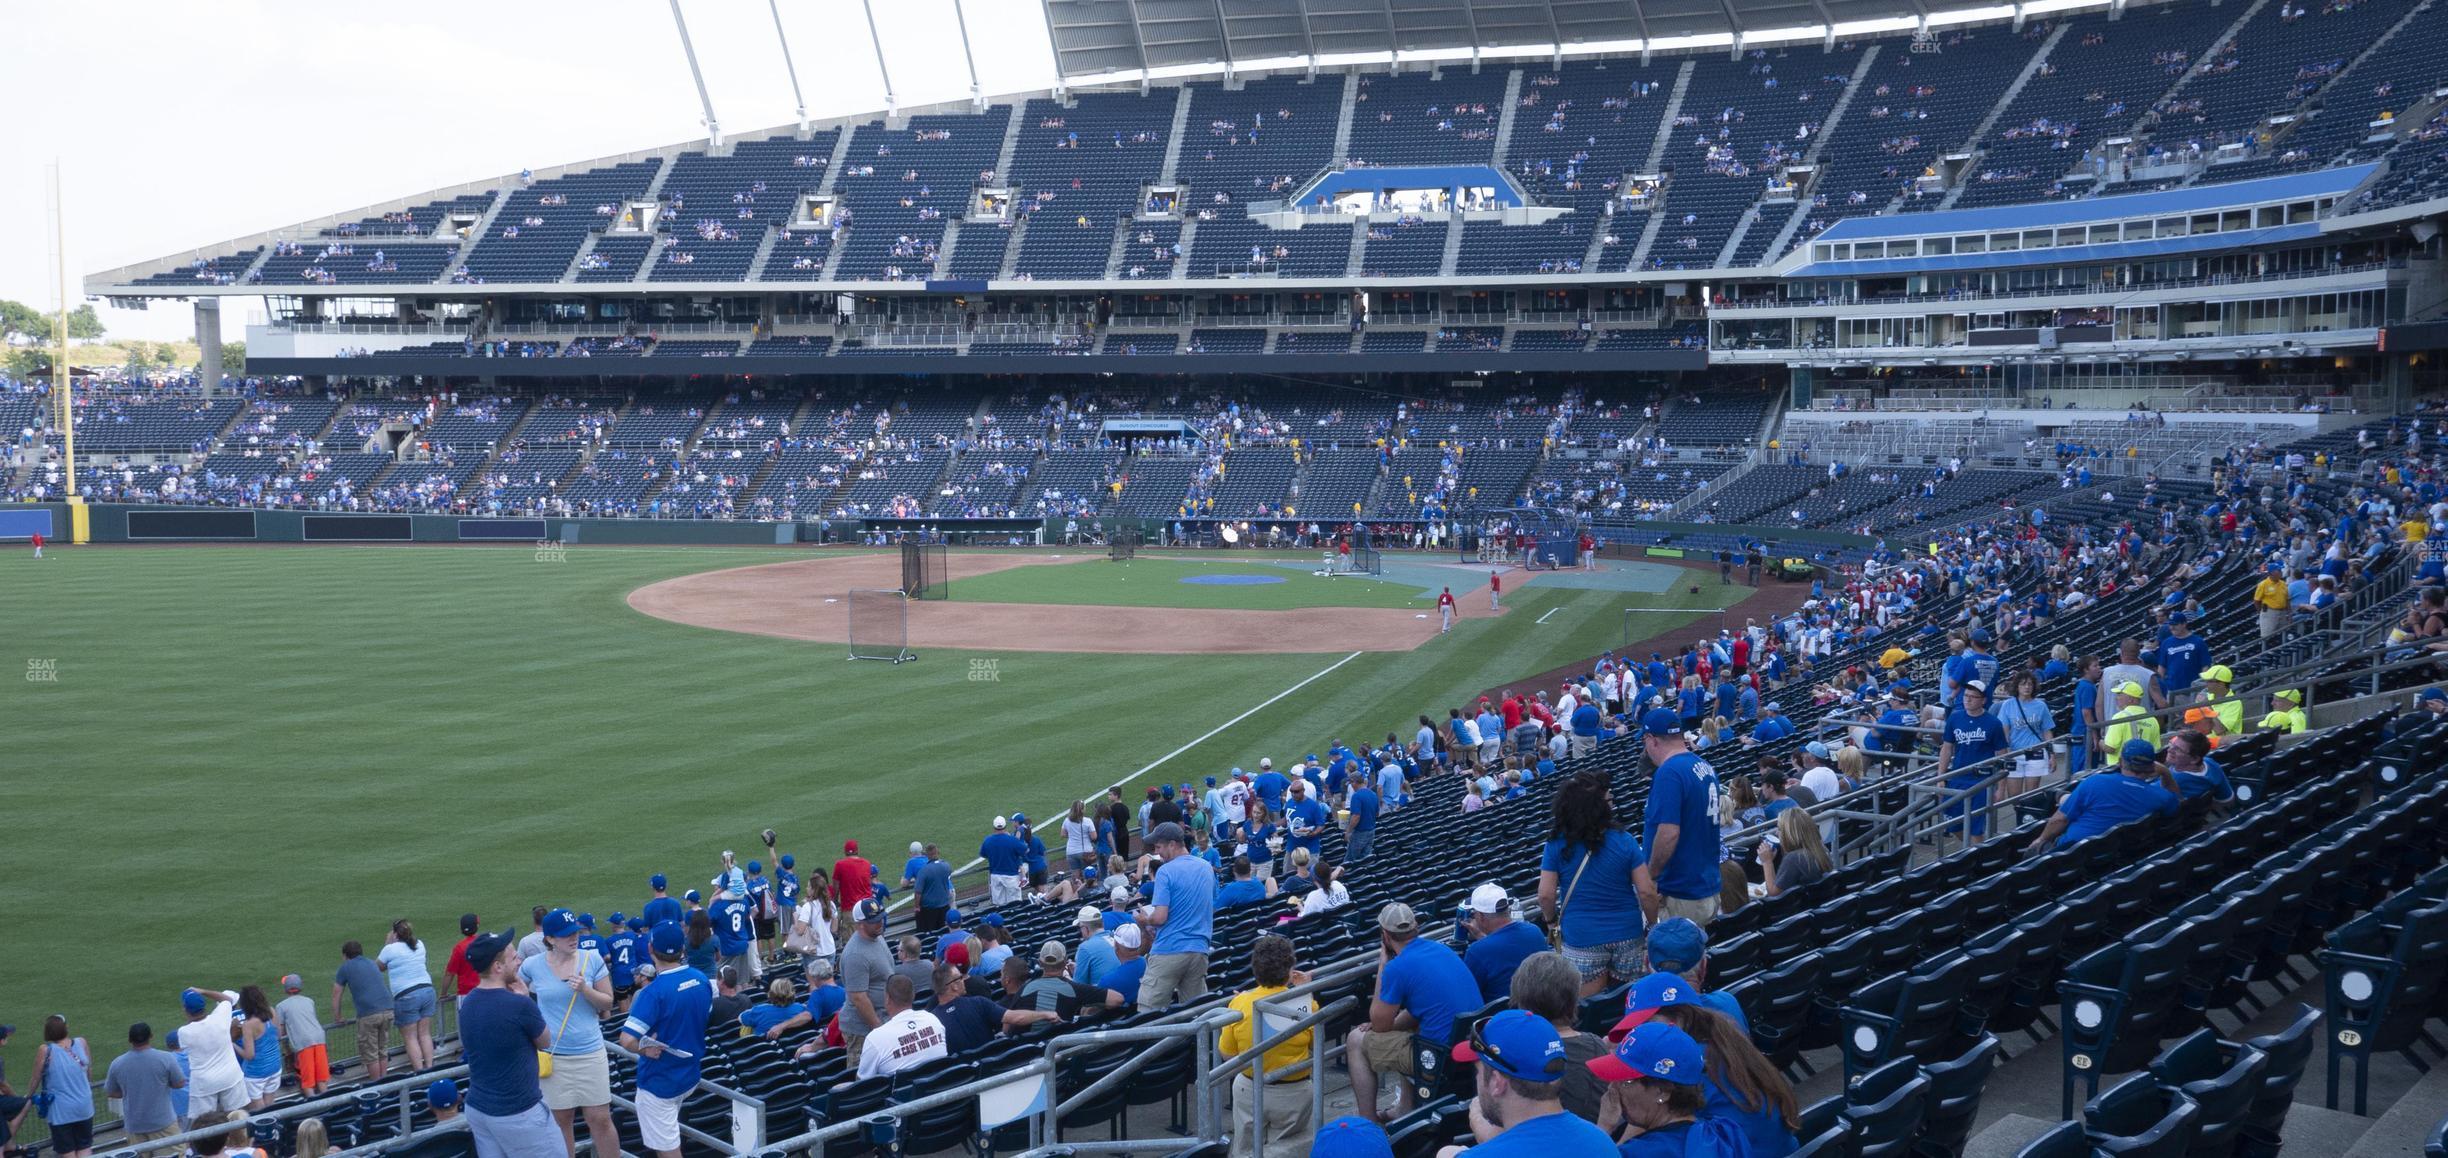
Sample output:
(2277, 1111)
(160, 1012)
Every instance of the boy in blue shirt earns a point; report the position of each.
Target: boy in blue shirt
(667, 1027)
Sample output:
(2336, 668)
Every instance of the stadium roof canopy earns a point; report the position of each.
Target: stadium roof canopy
(1106, 38)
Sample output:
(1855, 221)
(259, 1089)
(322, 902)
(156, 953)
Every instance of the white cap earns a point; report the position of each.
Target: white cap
(1120, 894)
(1090, 914)
(1127, 936)
(1265, 762)
(1001, 822)
(917, 848)
(1490, 898)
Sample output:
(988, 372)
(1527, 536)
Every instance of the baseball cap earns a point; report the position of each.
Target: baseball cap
(192, 1001)
(1053, 955)
(1397, 918)
(292, 983)
(468, 924)
(1167, 833)
(1019, 818)
(586, 920)
(657, 881)
(691, 896)
(1820, 749)
(1770, 708)
(1656, 1050)
(1677, 944)
(1980, 635)
(668, 939)
(619, 919)
(1490, 898)
(993, 919)
(1211, 782)
(1899, 691)
(1976, 686)
(2177, 619)
(1351, 1137)
(1127, 936)
(1266, 763)
(442, 1094)
(952, 916)
(1089, 914)
(2129, 688)
(756, 866)
(1653, 993)
(484, 950)
(1120, 895)
(788, 860)
(957, 953)
(2433, 694)
(850, 848)
(1661, 722)
(868, 910)
(2289, 694)
(2139, 749)
(1001, 822)
(1517, 1044)
(2219, 672)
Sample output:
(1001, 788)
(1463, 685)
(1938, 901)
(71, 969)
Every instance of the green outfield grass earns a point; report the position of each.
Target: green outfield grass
(245, 756)
(1156, 581)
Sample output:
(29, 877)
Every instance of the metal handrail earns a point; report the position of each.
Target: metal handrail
(348, 1100)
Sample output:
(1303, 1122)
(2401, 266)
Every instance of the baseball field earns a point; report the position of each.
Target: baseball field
(223, 762)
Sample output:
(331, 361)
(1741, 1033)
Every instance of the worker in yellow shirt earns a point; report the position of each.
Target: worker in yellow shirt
(2287, 714)
(2129, 719)
(2218, 716)
(1894, 657)
(2270, 598)
(1287, 1098)
(2415, 530)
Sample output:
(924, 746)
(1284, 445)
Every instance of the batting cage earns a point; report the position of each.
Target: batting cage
(925, 567)
(1124, 546)
(1536, 538)
(879, 624)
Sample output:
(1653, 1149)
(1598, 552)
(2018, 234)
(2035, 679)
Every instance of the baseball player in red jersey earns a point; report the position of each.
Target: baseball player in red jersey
(1495, 588)
(38, 542)
(1445, 609)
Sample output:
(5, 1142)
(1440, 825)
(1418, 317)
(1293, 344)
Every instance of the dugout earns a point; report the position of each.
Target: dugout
(1553, 538)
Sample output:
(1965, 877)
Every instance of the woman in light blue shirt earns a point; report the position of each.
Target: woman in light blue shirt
(2029, 724)
(412, 993)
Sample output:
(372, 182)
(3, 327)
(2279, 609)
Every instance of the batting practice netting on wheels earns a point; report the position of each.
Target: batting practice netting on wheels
(879, 625)
(1125, 546)
(925, 569)
(1366, 561)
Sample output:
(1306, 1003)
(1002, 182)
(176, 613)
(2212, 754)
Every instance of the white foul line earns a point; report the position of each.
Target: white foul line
(1543, 618)
(1152, 765)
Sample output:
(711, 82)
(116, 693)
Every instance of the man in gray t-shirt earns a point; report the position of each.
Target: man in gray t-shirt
(866, 965)
(142, 1079)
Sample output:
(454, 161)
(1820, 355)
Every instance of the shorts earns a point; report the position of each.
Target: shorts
(765, 928)
(1626, 960)
(258, 1088)
(71, 1136)
(578, 1080)
(203, 1107)
(1491, 750)
(314, 1066)
(1036, 878)
(930, 920)
(373, 1035)
(530, 1133)
(658, 1121)
(137, 1139)
(1698, 910)
(413, 1006)
(1389, 1051)
(1003, 889)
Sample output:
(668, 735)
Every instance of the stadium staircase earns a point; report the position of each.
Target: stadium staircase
(1343, 118)
(1835, 116)
(578, 260)
(458, 261)
(2343, 80)
(773, 237)
(2147, 117)
(1742, 225)
(1173, 142)
(1011, 249)
(1359, 247)
(839, 159)
(654, 258)
(1980, 132)
(1504, 131)
(1453, 231)
(1011, 143)
(1189, 233)
(1113, 254)
(943, 249)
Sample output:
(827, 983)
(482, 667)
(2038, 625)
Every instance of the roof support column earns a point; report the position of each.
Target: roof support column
(798, 102)
(977, 94)
(877, 42)
(714, 136)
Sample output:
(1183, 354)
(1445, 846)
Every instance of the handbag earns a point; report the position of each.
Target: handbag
(544, 1057)
(1555, 935)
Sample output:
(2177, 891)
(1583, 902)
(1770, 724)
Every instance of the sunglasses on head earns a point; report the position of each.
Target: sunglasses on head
(1553, 1066)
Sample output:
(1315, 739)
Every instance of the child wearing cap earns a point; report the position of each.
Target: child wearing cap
(1738, 1082)
(1658, 1105)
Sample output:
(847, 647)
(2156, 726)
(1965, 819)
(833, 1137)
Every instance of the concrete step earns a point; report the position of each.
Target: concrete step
(2007, 1136)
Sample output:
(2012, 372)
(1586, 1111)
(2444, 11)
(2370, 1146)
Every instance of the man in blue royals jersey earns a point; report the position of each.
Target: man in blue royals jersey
(624, 951)
(786, 884)
(761, 909)
(1972, 736)
(664, 907)
(666, 1027)
(1680, 826)
(734, 935)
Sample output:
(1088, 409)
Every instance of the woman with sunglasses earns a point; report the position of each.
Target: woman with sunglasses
(1657, 1106)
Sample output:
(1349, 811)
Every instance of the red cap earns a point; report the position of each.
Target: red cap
(957, 953)
(850, 846)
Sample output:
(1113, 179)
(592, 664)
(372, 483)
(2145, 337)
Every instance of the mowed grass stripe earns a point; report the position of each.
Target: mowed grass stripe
(254, 754)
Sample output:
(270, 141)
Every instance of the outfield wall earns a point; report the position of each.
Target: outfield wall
(129, 523)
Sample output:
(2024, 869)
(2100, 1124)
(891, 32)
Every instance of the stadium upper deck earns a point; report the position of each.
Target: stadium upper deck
(1620, 196)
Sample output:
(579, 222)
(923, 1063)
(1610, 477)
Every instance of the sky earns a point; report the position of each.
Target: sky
(178, 125)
